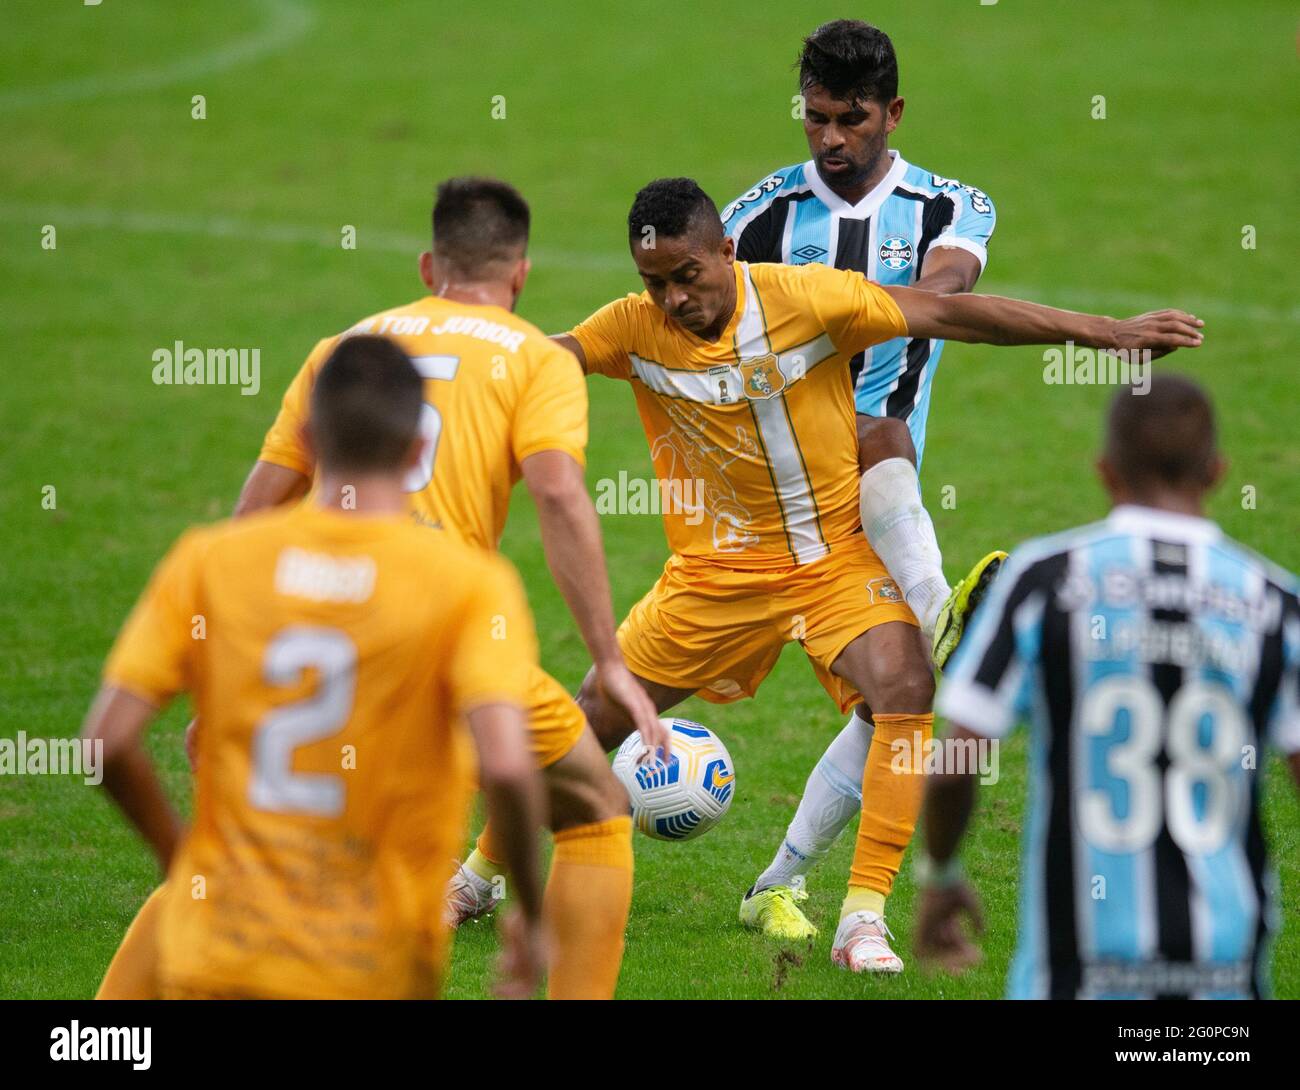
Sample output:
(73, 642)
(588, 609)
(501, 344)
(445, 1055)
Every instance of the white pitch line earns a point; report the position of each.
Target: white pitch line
(285, 21)
(216, 226)
(167, 223)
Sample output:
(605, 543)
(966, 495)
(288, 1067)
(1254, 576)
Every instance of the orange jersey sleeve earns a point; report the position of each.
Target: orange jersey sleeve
(606, 338)
(552, 413)
(856, 312)
(151, 656)
(284, 444)
(495, 651)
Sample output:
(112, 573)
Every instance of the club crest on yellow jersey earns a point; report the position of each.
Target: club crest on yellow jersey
(762, 377)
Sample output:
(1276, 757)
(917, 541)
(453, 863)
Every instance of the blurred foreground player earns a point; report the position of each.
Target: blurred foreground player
(1154, 659)
(335, 653)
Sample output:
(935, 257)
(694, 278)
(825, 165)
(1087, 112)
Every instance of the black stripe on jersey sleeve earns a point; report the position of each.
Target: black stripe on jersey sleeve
(995, 659)
(938, 218)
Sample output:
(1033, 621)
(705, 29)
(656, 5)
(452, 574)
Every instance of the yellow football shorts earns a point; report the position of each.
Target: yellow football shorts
(555, 722)
(720, 630)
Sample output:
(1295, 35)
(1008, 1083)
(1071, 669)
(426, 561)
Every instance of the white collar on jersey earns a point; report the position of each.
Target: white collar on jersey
(1134, 518)
(869, 203)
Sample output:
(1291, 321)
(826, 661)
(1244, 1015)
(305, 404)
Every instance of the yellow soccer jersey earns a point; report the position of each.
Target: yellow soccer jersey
(330, 658)
(752, 436)
(496, 391)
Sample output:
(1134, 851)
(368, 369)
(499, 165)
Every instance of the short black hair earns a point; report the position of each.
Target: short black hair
(852, 60)
(674, 207)
(365, 406)
(1165, 436)
(479, 221)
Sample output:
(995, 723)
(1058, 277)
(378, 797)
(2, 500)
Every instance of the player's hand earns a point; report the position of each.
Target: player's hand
(192, 743)
(1160, 331)
(523, 956)
(941, 939)
(621, 688)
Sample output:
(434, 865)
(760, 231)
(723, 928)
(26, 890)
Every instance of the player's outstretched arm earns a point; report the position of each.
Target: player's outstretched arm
(118, 720)
(571, 539)
(512, 789)
(992, 319)
(270, 485)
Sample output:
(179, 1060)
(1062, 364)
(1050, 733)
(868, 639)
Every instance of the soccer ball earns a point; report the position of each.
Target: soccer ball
(688, 795)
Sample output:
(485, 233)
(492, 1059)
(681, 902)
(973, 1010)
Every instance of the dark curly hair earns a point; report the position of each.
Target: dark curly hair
(674, 207)
(851, 59)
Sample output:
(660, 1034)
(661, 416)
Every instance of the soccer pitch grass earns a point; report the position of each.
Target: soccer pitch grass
(225, 232)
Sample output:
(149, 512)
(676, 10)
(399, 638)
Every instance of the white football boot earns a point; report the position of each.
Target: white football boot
(468, 898)
(862, 945)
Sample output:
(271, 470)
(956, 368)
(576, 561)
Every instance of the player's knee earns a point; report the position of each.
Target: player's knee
(882, 437)
(907, 692)
(596, 796)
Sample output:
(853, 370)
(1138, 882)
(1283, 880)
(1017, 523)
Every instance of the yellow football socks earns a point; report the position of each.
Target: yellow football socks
(892, 786)
(486, 858)
(587, 901)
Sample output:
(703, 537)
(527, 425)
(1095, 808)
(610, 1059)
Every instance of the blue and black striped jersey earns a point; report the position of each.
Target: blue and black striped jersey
(1154, 659)
(793, 217)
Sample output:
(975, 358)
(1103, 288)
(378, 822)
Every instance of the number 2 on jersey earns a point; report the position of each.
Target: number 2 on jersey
(274, 785)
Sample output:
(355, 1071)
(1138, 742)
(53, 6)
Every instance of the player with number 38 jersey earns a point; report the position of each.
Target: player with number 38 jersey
(1155, 660)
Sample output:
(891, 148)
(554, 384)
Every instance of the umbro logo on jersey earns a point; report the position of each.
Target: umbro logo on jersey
(808, 253)
(896, 253)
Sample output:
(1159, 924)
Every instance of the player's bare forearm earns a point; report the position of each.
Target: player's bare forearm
(992, 319)
(949, 801)
(1294, 762)
(117, 721)
(512, 789)
(571, 541)
(270, 485)
(948, 270)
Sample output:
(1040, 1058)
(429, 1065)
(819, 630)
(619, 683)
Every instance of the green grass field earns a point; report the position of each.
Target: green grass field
(226, 231)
